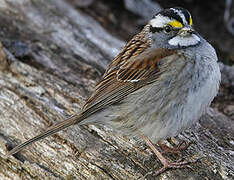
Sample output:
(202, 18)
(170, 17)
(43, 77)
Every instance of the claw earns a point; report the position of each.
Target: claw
(174, 165)
(166, 163)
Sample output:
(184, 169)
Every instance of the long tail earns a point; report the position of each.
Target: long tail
(52, 130)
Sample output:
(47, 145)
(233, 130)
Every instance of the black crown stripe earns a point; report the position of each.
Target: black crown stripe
(171, 14)
(185, 12)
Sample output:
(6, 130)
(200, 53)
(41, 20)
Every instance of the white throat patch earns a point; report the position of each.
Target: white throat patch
(184, 40)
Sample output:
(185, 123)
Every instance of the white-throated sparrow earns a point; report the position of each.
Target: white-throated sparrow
(158, 85)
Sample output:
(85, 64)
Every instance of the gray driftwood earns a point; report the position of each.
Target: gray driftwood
(51, 57)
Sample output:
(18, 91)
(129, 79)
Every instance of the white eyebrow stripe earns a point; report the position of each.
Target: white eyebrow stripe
(159, 21)
(178, 12)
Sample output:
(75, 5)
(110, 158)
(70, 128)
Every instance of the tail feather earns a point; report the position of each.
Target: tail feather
(52, 130)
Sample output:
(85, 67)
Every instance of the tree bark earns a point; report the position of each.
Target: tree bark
(51, 58)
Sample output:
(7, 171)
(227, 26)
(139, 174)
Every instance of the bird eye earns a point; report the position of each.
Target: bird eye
(167, 28)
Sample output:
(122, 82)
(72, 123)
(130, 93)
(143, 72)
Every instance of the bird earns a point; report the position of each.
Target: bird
(159, 84)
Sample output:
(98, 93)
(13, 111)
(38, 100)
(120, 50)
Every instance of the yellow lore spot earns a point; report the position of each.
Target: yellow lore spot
(190, 21)
(176, 24)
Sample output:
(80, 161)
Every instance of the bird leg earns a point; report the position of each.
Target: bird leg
(174, 150)
(166, 163)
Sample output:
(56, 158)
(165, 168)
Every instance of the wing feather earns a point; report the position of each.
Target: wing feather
(125, 79)
(134, 67)
(141, 67)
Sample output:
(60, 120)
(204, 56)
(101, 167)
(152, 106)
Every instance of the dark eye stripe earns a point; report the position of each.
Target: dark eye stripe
(155, 29)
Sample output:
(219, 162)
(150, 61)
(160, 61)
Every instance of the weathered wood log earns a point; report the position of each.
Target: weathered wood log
(51, 58)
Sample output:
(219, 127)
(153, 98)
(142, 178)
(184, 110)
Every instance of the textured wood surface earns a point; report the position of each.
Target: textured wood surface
(51, 57)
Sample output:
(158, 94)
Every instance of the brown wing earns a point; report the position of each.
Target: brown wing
(133, 48)
(120, 82)
(142, 67)
(134, 67)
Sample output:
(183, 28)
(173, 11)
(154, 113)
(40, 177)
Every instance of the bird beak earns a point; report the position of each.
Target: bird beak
(186, 31)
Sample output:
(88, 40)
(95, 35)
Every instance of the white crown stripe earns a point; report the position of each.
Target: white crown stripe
(178, 12)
